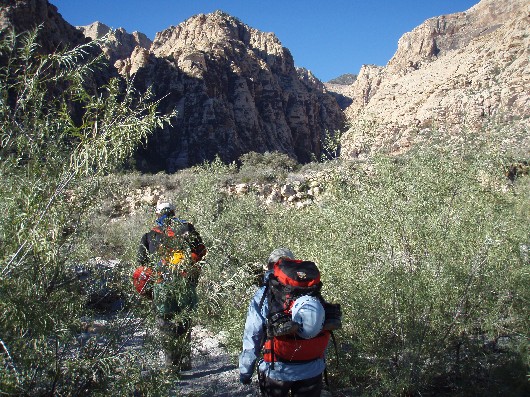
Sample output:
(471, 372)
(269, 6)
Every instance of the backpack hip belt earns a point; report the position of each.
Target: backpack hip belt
(291, 348)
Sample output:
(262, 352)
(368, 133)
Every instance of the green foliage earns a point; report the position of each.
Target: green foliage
(426, 252)
(331, 145)
(265, 167)
(51, 161)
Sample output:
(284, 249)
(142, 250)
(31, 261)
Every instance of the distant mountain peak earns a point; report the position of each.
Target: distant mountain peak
(344, 79)
(453, 72)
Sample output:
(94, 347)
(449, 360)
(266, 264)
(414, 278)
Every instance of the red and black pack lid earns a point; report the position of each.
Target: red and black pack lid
(296, 272)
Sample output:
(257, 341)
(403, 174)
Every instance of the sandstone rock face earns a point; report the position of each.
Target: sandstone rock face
(461, 70)
(341, 89)
(341, 93)
(120, 44)
(236, 90)
(25, 15)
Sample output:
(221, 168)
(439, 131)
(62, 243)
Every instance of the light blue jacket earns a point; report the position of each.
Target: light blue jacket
(253, 340)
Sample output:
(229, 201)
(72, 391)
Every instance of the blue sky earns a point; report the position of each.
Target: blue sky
(330, 38)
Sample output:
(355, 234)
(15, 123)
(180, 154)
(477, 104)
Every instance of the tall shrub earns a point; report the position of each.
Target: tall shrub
(426, 252)
(57, 139)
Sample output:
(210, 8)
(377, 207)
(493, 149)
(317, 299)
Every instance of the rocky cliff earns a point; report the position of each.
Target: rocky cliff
(120, 44)
(25, 15)
(456, 71)
(235, 90)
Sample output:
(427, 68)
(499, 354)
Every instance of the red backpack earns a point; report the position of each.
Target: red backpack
(290, 280)
(140, 277)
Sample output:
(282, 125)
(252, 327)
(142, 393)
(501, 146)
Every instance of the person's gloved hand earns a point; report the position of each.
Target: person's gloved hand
(245, 379)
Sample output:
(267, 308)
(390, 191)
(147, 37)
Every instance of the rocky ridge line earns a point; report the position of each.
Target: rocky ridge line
(120, 44)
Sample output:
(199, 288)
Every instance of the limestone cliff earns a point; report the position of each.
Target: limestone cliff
(235, 88)
(461, 70)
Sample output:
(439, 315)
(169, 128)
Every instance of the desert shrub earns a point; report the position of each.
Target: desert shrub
(331, 145)
(265, 167)
(58, 140)
(426, 253)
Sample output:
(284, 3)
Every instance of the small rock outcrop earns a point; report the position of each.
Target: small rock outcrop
(456, 71)
(120, 45)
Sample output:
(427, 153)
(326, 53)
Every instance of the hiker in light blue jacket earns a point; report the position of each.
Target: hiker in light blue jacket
(275, 378)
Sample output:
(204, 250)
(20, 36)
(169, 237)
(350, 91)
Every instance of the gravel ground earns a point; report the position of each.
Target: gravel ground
(214, 372)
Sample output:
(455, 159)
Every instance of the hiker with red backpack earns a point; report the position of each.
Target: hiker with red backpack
(169, 258)
(287, 329)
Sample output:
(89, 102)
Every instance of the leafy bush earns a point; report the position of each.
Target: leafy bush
(265, 167)
(423, 251)
(58, 139)
(427, 252)
(430, 273)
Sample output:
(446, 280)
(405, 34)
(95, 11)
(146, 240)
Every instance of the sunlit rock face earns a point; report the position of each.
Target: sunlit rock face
(119, 44)
(235, 89)
(455, 71)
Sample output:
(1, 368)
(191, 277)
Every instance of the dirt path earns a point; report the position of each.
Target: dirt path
(214, 373)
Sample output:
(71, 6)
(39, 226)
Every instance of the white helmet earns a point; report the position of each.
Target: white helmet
(309, 313)
(162, 208)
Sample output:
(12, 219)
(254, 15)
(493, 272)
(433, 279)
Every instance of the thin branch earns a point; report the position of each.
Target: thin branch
(58, 190)
(11, 361)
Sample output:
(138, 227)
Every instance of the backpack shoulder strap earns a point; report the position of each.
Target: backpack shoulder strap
(155, 235)
(268, 325)
(336, 349)
(266, 284)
